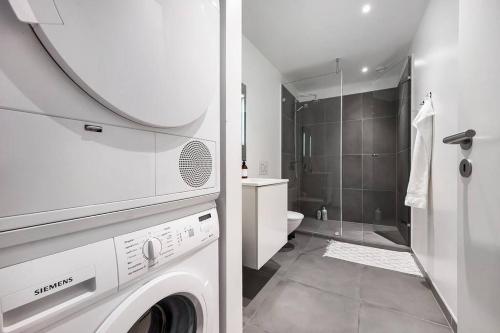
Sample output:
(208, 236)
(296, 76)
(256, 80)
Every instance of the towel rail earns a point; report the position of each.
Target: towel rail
(429, 95)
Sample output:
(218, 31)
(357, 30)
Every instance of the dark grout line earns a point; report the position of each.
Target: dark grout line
(381, 306)
(323, 290)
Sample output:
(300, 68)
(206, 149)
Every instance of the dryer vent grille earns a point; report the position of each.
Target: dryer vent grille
(195, 164)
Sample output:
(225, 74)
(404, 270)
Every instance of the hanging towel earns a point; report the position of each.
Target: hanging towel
(418, 186)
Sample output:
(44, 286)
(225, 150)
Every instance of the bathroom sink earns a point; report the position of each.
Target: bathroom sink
(262, 181)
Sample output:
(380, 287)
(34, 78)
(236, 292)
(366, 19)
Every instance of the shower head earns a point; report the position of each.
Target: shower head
(303, 106)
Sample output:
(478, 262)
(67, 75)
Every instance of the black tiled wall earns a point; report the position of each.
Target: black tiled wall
(374, 131)
(369, 152)
(320, 130)
(403, 149)
(288, 161)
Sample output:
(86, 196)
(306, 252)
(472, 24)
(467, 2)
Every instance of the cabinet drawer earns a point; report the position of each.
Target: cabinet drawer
(49, 163)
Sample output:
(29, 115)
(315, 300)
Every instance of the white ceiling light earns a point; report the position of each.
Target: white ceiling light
(419, 62)
(366, 9)
(364, 69)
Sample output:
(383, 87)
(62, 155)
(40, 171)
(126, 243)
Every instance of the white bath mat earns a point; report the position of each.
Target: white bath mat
(370, 256)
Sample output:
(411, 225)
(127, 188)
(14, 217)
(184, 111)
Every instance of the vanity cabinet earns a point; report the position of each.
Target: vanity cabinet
(264, 219)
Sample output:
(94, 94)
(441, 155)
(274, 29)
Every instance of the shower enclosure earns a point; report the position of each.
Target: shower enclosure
(348, 155)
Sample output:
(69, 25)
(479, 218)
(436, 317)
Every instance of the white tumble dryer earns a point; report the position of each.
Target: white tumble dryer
(106, 106)
(160, 279)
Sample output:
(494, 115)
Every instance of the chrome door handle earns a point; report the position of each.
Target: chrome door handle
(464, 139)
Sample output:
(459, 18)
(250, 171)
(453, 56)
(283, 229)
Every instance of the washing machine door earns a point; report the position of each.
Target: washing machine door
(174, 303)
(153, 61)
(173, 314)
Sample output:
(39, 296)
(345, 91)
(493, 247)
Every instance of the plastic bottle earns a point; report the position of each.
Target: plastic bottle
(324, 213)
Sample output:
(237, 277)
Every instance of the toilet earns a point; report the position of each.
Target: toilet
(294, 220)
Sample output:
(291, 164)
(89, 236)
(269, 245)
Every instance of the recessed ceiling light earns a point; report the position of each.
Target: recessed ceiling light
(419, 62)
(364, 69)
(366, 9)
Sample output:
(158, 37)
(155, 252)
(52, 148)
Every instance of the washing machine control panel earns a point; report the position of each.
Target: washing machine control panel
(145, 250)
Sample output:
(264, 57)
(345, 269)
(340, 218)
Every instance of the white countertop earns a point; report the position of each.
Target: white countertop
(262, 181)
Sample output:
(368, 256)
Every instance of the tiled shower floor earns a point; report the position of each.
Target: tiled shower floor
(302, 291)
(353, 231)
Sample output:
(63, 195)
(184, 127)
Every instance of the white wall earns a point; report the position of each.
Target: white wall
(229, 202)
(263, 84)
(435, 69)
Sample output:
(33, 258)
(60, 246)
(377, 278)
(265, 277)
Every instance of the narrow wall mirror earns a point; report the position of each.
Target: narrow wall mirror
(243, 122)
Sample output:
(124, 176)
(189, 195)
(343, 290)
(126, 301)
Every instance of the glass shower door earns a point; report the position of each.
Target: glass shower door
(319, 151)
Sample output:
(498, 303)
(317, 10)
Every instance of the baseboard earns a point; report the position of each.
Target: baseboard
(439, 299)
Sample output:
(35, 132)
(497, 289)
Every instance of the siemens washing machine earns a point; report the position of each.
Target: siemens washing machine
(161, 279)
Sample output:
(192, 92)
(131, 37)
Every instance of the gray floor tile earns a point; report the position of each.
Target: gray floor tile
(316, 245)
(400, 292)
(300, 242)
(291, 251)
(250, 308)
(293, 307)
(254, 280)
(326, 273)
(252, 329)
(372, 237)
(374, 319)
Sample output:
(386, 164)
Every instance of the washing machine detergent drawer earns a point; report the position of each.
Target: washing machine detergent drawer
(38, 292)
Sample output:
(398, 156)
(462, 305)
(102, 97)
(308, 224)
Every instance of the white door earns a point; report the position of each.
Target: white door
(479, 195)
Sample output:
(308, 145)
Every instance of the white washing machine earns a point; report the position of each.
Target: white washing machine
(159, 279)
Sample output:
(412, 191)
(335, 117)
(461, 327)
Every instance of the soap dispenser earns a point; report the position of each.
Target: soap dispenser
(244, 170)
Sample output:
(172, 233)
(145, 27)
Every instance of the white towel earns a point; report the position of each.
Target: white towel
(418, 186)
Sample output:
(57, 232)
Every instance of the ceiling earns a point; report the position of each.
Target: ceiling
(302, 38)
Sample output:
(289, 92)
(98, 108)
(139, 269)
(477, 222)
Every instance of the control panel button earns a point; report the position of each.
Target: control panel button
(144, 250)
(151, 248)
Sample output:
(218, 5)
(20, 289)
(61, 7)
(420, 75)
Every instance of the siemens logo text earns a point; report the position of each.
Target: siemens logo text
(52, 286)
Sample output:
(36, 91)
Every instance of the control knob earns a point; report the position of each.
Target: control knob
(151, 248)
